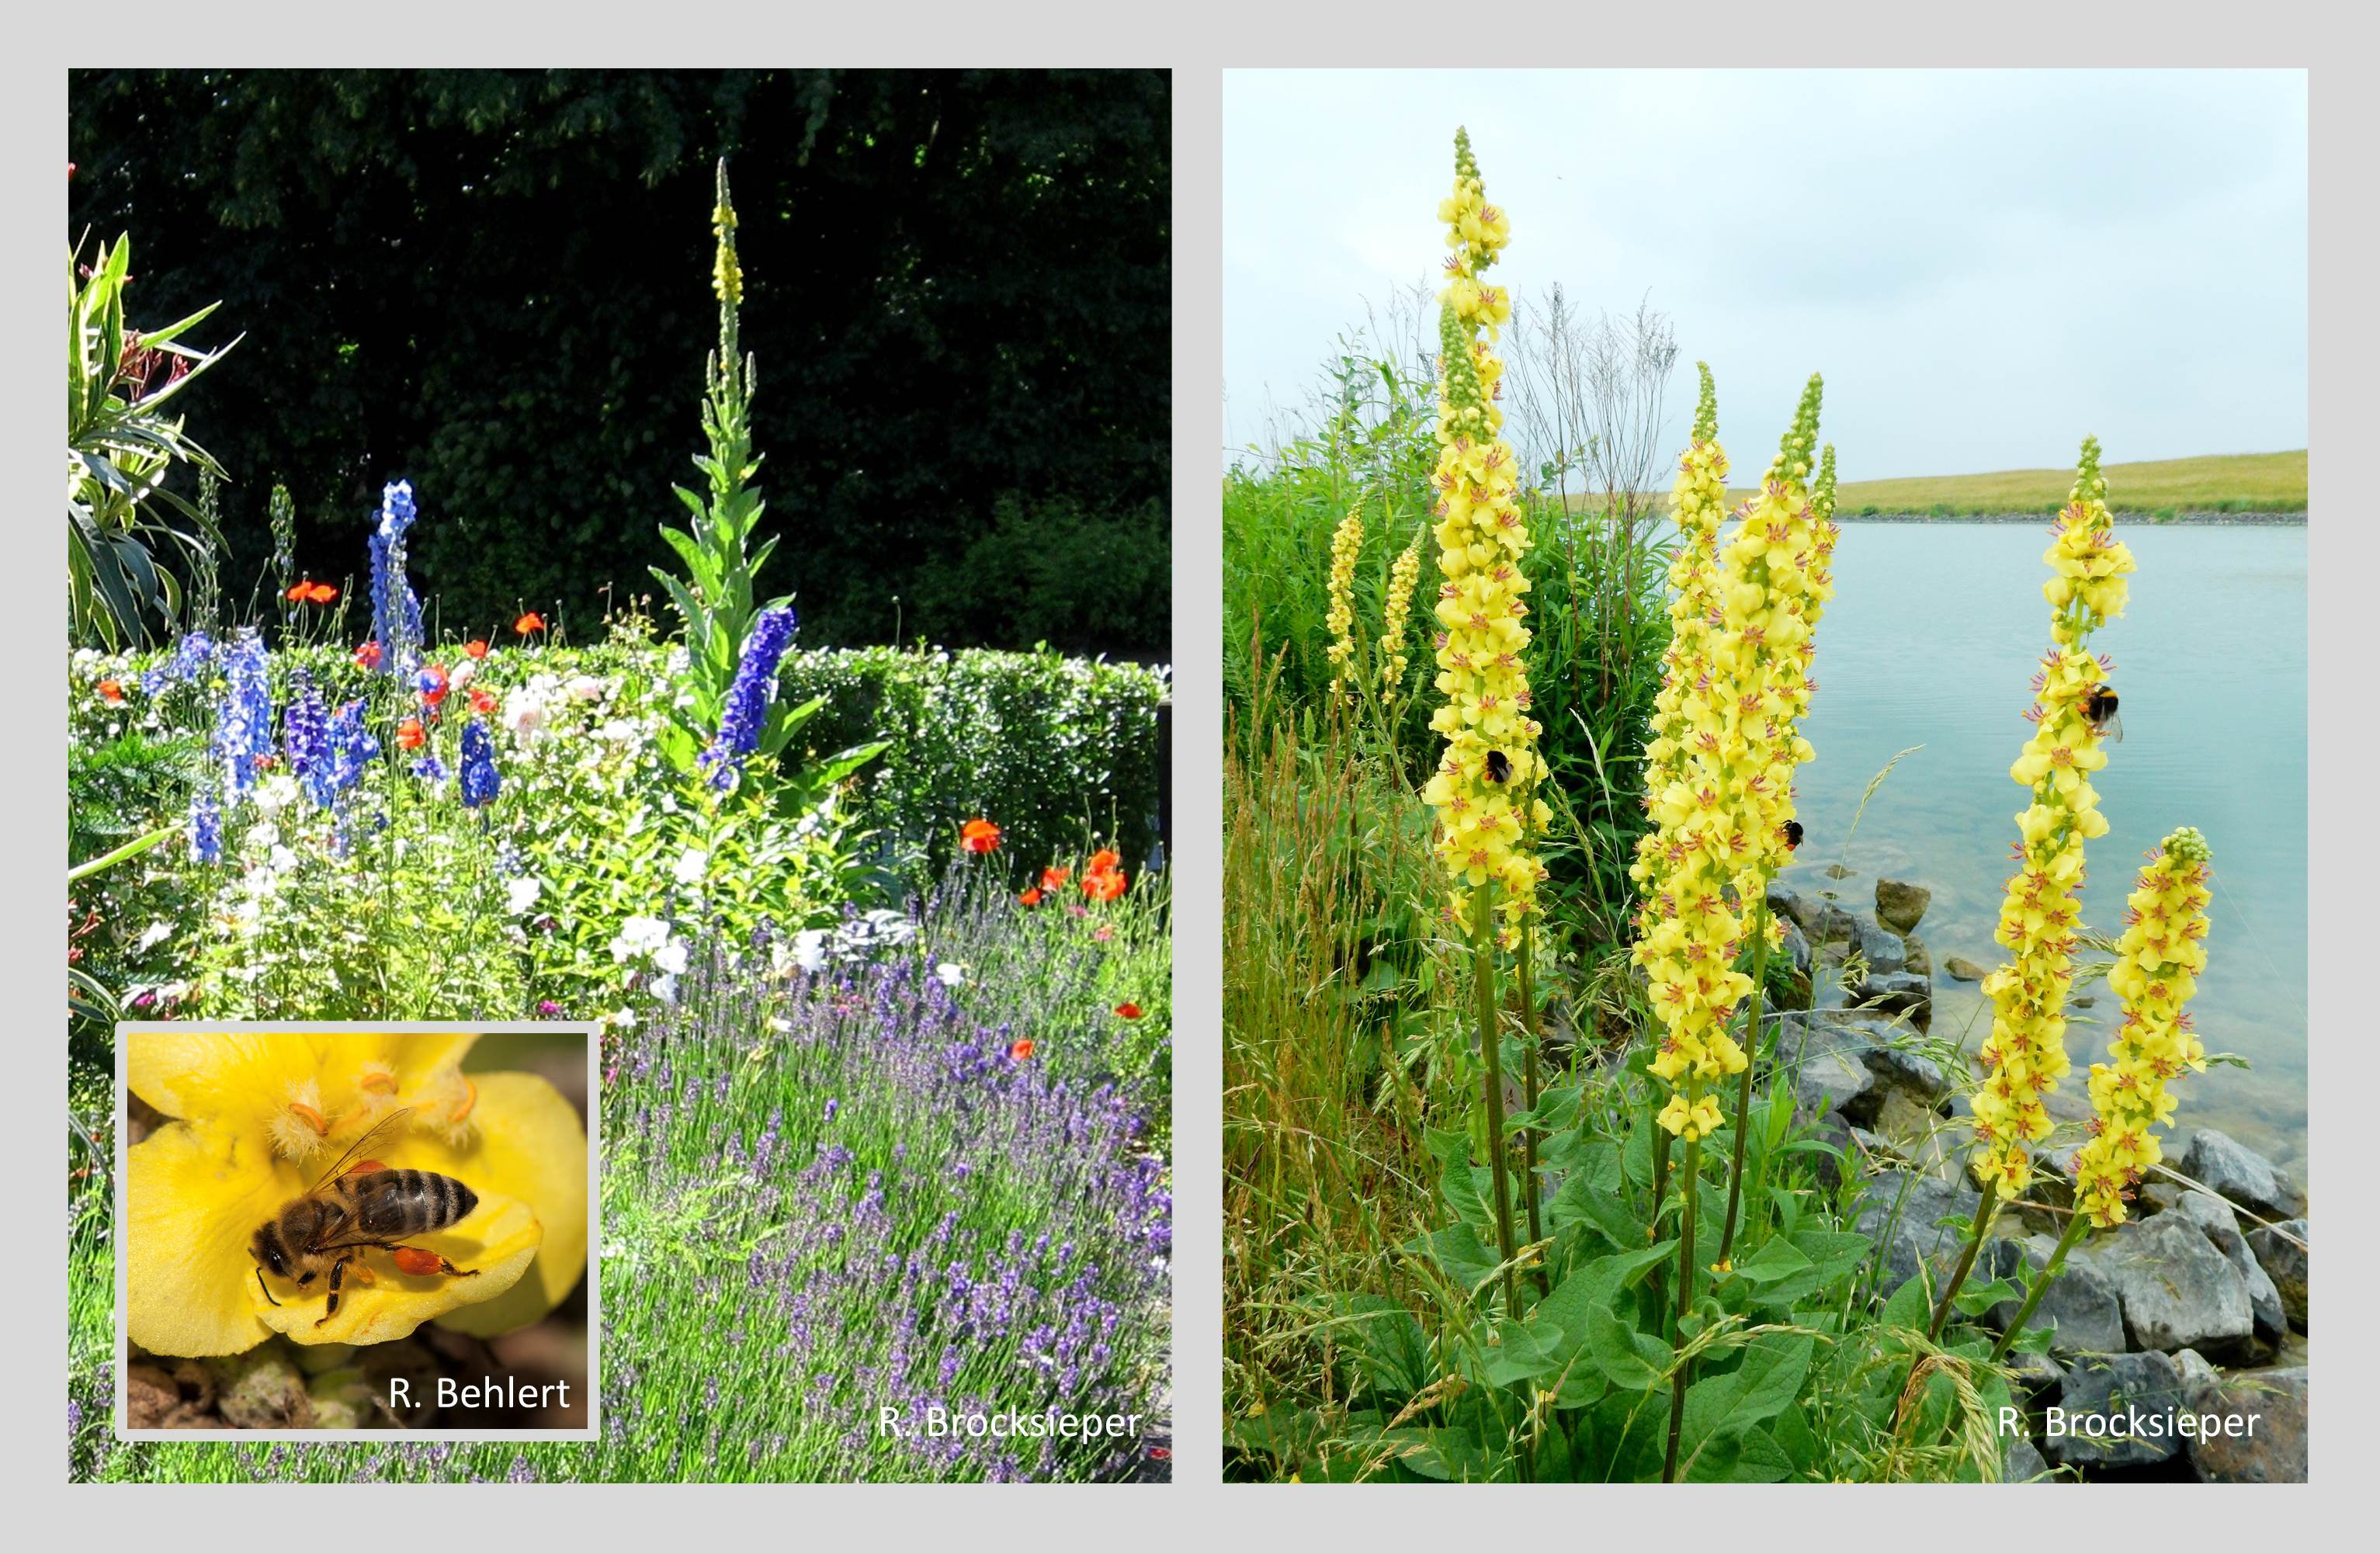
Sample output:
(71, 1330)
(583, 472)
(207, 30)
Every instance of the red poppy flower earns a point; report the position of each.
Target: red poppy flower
(409, 735)
(112, 692)
(1031, 897)
(1021, 1050)
(1161, 1454)
(1055, 879)
(1104, 884)
(978, 836)
(298, 592)
(1104, 861)
(482, 703)
(476, 649)
(432, 684)
(369, 655)
(321, 593)
(529, 621)
(1127, 1011)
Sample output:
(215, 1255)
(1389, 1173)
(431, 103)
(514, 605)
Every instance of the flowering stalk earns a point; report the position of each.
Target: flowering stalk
(747, 711)
(1347, 544)
(1488, 768)
(2025, 1055)
(1403, 576)
(396, 612)
(2157, 968)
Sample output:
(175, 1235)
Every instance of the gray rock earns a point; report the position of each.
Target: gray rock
(1802, 910)
(2079, 1308)
(1905, 1228)
(2251, 1427)
(1831, 1081)
(1797, 946)
(2022, 1463)
(2225, 1166)
(1837, 872)
(1907, 1069)
(2221, 1226)
(1898, 905)
(2117, 1413)
(1899, 993)
(1833, 1169)
(2284, 1261)
(2192, 1367)
(1835, 926)
(1881, 950)
(2035, 1379)
(1919, 958)
(2178, 1291)
(1962, 969)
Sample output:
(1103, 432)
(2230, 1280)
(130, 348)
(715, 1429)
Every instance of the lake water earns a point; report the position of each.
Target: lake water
(1932, 640)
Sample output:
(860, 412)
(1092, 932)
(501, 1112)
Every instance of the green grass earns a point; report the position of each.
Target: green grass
(2225, 482)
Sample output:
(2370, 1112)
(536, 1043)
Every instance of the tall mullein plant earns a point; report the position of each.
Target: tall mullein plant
(716, 599)
(1719, 786)
(2158, 965)
(1778, 568)
(1488, 771)
(2040, 911)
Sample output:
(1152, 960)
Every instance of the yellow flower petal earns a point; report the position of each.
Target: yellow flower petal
(531, 1144)
(184, 1265)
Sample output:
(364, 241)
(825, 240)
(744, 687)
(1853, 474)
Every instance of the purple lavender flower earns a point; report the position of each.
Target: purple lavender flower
(747, 711)
(353, 748)
(430, 770)
(480, 778)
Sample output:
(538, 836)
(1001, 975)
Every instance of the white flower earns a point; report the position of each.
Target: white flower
(154, 935)
(950, 973)
(284, 859)
(666, 988)
(619, 730)
(586, 687)
(623, 1018)
(263, 837)
(276, 794)
(692, 865)
(463, 674)
(809, 950)
(525, 715)
(671, 957)
(521, 894)
(639, 936)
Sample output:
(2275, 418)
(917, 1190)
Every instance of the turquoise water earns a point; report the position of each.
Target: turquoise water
(1932, 639)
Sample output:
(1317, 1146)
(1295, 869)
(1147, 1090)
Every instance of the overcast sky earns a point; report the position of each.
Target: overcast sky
(1985, 264)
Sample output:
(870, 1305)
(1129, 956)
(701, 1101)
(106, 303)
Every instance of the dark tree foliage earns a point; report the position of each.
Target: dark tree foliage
(496, 284)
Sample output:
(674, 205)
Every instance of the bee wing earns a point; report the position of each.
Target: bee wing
(2113, 729)
(355, 1150)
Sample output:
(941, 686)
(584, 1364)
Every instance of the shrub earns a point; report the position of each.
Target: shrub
(1050, 749)
(1084, 578)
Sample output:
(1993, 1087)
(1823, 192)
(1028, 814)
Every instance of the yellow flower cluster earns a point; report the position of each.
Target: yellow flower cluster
(1484, 781)
(1346, 545)
(726, 274)
(1403, 576)
(1726, 742)
(2157, 968)
(2025, 1055)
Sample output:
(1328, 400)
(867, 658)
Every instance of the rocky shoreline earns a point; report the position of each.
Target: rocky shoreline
(2195, 1308)
(2036, 516)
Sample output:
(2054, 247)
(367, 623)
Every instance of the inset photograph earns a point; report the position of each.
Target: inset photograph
(1764, 858)
(357, 1229)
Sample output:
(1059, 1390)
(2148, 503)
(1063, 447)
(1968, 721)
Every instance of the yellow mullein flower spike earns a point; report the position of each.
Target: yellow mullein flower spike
(1346, 545)
(257, 1119)
(1487, 773)
(1724, 742)
(1403, 576)
(2025, 1055)
(2157, 963)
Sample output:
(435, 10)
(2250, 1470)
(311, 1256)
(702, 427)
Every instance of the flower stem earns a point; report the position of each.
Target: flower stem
(1966, 1258)
(1743, 1091)
(2041, 1286)
(1483, 974)
(1529, 1087)
(1689, 1173)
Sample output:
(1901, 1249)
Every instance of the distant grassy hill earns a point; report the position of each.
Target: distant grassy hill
(2221, 483)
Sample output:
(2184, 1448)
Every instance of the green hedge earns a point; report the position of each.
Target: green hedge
(1045, 746)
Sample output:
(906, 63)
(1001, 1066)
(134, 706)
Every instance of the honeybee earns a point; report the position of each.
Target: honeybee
(1792, 835)
(2099, 712)
(360, 1204)
(1500, 767)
